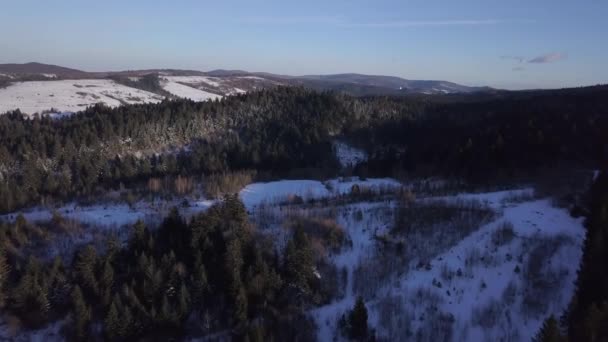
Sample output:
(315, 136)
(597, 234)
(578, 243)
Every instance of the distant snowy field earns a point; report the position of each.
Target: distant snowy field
(69, 95)
(173, 84)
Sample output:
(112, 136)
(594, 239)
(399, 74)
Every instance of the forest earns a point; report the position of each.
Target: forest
(288, 133)
(216, 273)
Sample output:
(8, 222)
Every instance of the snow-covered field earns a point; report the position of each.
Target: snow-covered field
(477, 290)
(257, 194)
(114, 215)
(212, 81)
(184, 91)
(69, 95)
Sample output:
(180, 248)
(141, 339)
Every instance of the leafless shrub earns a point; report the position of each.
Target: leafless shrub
(542, 282)
(218, 185)
(510, 293)
(488, 315)
(504, 234)
(325, 233)
(395, 318)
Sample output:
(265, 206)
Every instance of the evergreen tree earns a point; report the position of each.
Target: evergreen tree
(106, 282)
(236, 292)
(549, 332)
(112, 323)
(84, 267)
(81, 314)
(357, 321)
(4, 273)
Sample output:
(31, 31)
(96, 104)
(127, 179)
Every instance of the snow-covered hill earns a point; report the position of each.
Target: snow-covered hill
(69, 95)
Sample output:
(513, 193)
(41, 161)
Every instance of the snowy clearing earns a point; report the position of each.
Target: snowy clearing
(481, 289)
(184, 91)
(212, 81)
(69, 95)
(114, 215)
(280, 191)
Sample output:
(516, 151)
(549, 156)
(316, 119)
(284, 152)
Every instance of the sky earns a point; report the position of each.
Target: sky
(508, 44)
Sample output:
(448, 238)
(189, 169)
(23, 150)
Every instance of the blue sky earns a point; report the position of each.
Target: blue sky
(508, 44)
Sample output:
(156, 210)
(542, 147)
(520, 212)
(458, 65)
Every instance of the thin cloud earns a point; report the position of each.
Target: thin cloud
(295, 20)
(340, 21)
(519, 69)
(427, 23)
(519, 59)
(548, 58)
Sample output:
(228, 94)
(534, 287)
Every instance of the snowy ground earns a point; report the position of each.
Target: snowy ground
(256, 194)
(477, 290)
(212, 81)
(69, 95)
(175, 85)
(114, 215)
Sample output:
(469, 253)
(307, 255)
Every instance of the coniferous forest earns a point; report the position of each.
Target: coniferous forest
(288, 131)
(215, 274)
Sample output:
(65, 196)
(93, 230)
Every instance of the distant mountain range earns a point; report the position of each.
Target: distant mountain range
(235, 81)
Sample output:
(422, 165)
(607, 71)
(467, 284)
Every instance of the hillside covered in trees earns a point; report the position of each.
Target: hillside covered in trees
(288, 132)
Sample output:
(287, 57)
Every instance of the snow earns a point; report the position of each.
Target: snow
(344, 185)
(347, 155)
(253, 78)
(421, 295)
(212, 81)
(274, 192)
(60, 115)
(184, 91)
(114, 214)
(50, 333)
(69, 95)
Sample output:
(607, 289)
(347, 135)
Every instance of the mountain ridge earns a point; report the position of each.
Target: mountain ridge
(353, 83)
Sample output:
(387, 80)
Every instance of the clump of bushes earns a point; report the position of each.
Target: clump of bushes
(220, 184)
(325, 233)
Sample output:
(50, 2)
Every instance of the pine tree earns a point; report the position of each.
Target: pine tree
(299, 262)
(358, 321)
(106, 282)
(236, 292)
(112, 323)
(549, 332)
(84, 267)
(4, 273)
(81, 314)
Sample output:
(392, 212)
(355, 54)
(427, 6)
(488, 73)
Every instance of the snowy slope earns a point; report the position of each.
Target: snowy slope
(69, 95)
(475, 290)
(185, 91)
